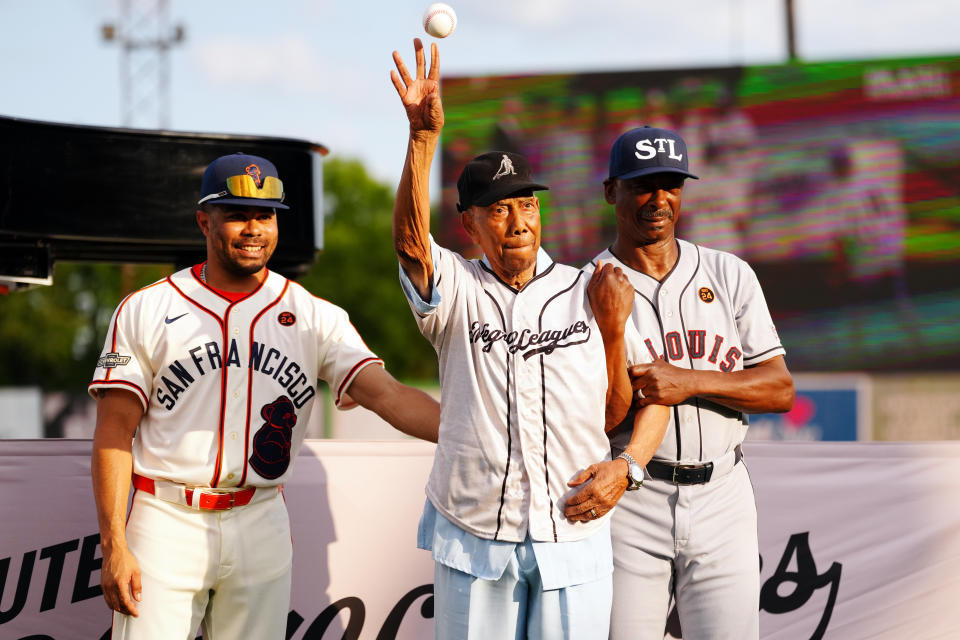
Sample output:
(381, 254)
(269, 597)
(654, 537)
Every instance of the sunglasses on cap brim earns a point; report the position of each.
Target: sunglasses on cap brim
(244, 186)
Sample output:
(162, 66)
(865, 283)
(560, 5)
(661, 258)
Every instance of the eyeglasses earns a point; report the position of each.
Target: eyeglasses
(243, 186)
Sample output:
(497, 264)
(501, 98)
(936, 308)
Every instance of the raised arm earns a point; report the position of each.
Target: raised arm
(611, 299)
(407, 409)
(118, 414)
(764, 387)
(411, 210)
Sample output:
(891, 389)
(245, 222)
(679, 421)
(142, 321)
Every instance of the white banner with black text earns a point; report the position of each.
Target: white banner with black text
(857, 540)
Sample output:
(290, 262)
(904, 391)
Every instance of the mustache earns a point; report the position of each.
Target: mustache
(657, 214)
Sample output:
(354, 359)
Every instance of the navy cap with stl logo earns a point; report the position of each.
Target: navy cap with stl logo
(646, 150)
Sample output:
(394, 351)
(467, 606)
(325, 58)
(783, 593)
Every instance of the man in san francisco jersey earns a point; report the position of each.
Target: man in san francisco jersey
(204, 388)
(691, 532)
(518, 500)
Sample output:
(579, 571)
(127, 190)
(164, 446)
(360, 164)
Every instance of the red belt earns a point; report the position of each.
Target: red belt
(206, 498)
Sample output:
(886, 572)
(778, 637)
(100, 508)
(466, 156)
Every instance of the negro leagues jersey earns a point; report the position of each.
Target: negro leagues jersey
(707, 314)
(523, 382)
(227, 387)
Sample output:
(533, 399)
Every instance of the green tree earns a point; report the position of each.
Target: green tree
(357, 270)
(50, 337)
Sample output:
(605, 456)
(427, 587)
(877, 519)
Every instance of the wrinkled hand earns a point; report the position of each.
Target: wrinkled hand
(660, 383)
(420, 95)
(120, 580)
(605, 483)
(611, 296)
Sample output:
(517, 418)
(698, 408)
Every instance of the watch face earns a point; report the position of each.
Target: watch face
(636, 474)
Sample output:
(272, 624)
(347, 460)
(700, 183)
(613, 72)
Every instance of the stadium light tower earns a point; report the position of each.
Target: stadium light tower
(145, 38)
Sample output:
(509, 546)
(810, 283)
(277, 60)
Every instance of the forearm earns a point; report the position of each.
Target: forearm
(649, 427)
(406, 408)
(759, 389)
(111, 467)
(414, 413)
(411, 211)
(619, 391)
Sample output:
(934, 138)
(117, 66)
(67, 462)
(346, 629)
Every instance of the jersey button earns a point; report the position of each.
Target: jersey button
(236, 394)
(233, 435)
(229, 476)
(669, 314)
(236, 330)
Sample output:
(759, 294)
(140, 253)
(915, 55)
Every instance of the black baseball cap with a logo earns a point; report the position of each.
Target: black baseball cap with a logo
(493, 176)
(242, 179)
(646, 150)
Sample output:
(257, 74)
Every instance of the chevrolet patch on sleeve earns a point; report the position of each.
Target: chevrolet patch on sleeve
(111, 360)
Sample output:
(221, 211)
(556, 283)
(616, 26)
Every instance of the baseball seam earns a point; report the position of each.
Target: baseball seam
(437, 12)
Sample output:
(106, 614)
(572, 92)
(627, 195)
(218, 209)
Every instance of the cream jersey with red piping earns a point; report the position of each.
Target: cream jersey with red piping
(227, 387)
(523, 385)
(707, 314)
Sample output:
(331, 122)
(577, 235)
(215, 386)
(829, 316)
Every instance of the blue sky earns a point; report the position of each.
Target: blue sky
(319, 69)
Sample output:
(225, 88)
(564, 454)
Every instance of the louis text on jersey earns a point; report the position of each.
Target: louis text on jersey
(697, 344)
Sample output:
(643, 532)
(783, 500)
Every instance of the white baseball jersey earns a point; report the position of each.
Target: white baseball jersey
(707, 314)
(523, 383)
(227, 387)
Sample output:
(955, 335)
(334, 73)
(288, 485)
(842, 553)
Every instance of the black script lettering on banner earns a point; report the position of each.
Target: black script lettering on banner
(358, 613)
(389, 630)
(806, 581)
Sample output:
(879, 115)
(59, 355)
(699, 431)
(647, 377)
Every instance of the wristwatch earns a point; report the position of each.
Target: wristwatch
(634, 472)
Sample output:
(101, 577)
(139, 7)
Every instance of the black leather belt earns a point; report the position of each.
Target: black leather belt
(686, 473)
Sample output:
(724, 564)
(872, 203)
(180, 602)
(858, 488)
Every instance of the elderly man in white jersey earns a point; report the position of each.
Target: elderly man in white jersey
(519, 497)
(205, 388)
(691, 532)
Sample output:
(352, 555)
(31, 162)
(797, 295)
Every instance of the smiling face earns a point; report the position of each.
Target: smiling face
(508, 231)
(240, 239)
(646, 207)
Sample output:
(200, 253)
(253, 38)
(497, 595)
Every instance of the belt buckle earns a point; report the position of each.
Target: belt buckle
(217, 505)
(694, 473)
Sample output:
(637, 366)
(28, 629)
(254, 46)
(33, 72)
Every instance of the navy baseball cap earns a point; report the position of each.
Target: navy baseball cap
(646, 150)
(242, 179)
(493, 176)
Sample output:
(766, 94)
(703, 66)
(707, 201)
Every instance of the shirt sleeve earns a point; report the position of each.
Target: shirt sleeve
(343, 354)
(418, 304)
(758, 335)
(448, 273)
(123, 362)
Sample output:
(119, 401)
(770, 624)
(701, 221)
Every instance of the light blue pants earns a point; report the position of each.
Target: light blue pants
(516, 606)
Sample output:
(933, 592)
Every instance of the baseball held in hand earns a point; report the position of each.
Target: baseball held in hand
(439, 20)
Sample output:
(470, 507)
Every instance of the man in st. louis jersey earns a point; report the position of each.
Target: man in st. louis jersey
(691, 532)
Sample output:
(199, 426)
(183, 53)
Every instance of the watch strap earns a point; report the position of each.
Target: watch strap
(633, 482)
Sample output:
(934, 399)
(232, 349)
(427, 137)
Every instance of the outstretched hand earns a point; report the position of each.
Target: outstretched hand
(421, 94)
